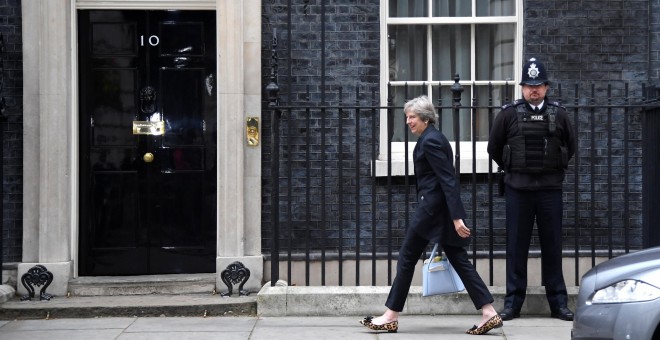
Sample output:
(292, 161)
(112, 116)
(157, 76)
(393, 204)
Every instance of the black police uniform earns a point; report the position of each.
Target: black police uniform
(534, 149)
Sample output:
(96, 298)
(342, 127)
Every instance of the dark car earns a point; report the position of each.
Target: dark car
(620, 299)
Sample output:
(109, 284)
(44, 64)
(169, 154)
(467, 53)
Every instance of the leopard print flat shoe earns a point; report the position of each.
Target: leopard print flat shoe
(494, 322)
(390, 327)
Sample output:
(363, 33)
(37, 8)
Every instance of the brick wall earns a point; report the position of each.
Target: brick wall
(350, 50)
(12, 128)
(654, 42)
(350, 55)
(590, 41)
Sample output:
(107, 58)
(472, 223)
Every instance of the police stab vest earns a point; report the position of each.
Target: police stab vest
(537, 147)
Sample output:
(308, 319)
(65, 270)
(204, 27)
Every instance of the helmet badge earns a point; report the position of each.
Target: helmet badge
(533, 71)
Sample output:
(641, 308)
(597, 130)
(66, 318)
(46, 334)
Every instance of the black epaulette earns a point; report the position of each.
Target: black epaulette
(515, 103)
(558, 104)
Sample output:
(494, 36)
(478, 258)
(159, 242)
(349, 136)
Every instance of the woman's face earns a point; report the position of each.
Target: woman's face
(416, 125)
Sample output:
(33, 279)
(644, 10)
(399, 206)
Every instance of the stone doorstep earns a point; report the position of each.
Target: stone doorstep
(127, 296)
(143, 285)
(156, 305)
(7, 292)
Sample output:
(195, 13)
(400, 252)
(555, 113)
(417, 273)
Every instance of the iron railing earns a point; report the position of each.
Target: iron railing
(326, 203)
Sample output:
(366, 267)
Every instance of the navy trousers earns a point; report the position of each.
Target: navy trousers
(523, 208)
(411, 251)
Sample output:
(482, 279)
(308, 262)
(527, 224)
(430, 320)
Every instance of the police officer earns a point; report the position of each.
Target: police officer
(532, 139)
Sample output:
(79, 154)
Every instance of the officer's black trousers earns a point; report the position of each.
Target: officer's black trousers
(522, 209)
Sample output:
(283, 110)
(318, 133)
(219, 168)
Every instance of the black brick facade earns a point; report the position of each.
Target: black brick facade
(593, 41)
(350, 51)
(12, 143)
(597, 51)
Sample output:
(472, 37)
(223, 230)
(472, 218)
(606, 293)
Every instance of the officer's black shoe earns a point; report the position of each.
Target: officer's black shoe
(508, 314)
(563, 313)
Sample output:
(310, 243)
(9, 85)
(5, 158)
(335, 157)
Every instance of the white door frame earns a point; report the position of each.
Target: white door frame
(50, 214)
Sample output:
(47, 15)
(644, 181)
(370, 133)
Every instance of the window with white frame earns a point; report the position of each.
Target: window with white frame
(424, 45)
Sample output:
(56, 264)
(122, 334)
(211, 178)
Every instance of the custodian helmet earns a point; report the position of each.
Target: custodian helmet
(534, 73)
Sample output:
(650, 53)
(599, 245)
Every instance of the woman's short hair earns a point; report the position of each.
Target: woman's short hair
(423, 108)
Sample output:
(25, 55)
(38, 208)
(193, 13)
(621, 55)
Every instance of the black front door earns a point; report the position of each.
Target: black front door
(147, 123)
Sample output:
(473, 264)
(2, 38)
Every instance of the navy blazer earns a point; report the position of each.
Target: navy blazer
(438, 198)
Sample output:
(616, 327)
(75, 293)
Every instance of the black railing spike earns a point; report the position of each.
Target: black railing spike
(457, 90)
(272, 89)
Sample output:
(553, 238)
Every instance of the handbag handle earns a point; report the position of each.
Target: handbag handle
(433, 252)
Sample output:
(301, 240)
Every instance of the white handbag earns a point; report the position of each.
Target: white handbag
(439, 277)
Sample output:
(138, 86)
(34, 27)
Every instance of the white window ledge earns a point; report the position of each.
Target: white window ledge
(466, 159)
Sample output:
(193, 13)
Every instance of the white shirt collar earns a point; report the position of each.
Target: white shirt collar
(540, 106)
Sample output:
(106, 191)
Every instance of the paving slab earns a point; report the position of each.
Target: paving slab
(105, 334)
(411, 327)
(183, 336)
(191, 324)
(67, 324)
(305, 328)
(65, 329)
(226, 328)
(525, 328)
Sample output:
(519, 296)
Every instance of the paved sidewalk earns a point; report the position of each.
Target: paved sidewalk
(275, 328)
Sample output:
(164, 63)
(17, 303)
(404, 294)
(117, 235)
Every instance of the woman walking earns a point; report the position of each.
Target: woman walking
(439, 216)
